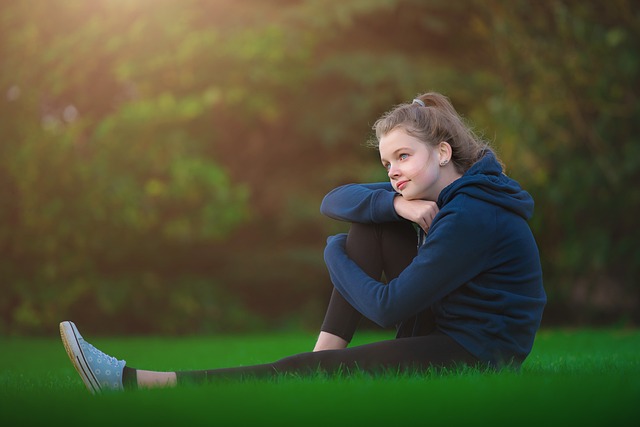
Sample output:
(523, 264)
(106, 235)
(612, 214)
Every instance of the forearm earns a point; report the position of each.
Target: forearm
(364, 203)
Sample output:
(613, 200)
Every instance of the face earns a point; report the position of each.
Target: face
(413, 166)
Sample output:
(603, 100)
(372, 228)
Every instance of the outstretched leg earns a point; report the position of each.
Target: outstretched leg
(101, 372)
(404, 354)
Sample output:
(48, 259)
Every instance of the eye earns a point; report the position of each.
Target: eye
(403, 156)
(386, 165)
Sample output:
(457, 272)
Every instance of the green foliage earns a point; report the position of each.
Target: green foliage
(101, 180)
(150, 147)
(570, 74)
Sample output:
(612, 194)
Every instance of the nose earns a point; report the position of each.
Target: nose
(392, 171)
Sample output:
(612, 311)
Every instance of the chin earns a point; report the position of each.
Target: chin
(414, 196)
(411, 197)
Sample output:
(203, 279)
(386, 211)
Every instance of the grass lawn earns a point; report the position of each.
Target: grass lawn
(573, 377)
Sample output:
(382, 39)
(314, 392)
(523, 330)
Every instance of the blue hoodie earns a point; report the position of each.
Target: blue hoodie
(478, 268)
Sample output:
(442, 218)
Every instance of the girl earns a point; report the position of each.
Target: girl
(466, 289)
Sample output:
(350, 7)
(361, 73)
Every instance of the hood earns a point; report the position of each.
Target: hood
(486, 181)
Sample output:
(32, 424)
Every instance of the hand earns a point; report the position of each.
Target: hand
(420, 212)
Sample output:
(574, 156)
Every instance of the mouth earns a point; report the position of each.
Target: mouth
(401, 184)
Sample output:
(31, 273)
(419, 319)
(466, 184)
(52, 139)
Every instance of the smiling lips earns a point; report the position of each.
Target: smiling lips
(401, 184)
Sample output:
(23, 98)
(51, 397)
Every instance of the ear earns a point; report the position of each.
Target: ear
(444, 153)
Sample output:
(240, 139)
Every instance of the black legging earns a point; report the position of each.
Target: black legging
(378, 249)
(402, 354)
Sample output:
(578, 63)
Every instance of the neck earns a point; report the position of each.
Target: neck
(448, 175)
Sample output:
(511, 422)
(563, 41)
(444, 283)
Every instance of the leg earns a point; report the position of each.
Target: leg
(414, 353)
(376, 248)
(101, 372)
(151, 379)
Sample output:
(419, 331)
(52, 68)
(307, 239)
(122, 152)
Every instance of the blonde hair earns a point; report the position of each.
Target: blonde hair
(432, 123)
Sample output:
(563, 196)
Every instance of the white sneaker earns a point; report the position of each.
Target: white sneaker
(98, 370)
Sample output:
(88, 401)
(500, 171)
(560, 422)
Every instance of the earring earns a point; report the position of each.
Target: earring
(444, 162)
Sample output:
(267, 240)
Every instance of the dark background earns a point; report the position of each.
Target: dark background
(162, 162)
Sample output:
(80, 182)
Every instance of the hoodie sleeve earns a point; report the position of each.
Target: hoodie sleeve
(363, 203)
(454, 239)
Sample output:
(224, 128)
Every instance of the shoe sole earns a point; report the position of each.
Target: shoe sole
(69, 334)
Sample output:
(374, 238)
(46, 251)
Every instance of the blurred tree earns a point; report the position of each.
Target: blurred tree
(162, 162)
(569, 121)
(103, 174)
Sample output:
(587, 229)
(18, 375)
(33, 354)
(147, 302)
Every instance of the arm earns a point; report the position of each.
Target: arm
(376, 203)
(364, 203)
(456, 237)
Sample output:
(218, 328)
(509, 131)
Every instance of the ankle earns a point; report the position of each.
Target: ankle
(328, 341)
(154, 379)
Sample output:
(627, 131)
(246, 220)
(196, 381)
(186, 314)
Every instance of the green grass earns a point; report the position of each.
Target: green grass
(578, 377)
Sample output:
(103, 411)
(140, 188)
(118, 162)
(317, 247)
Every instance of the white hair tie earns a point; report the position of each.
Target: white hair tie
(419, 102)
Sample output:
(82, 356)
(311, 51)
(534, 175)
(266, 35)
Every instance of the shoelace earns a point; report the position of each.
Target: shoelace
(110, 359)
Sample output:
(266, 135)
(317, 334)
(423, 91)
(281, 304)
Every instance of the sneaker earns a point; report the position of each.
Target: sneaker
(98, 371)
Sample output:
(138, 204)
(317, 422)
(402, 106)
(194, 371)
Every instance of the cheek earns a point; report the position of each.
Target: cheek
(415, 169)
(411, 171)
(426, 175)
